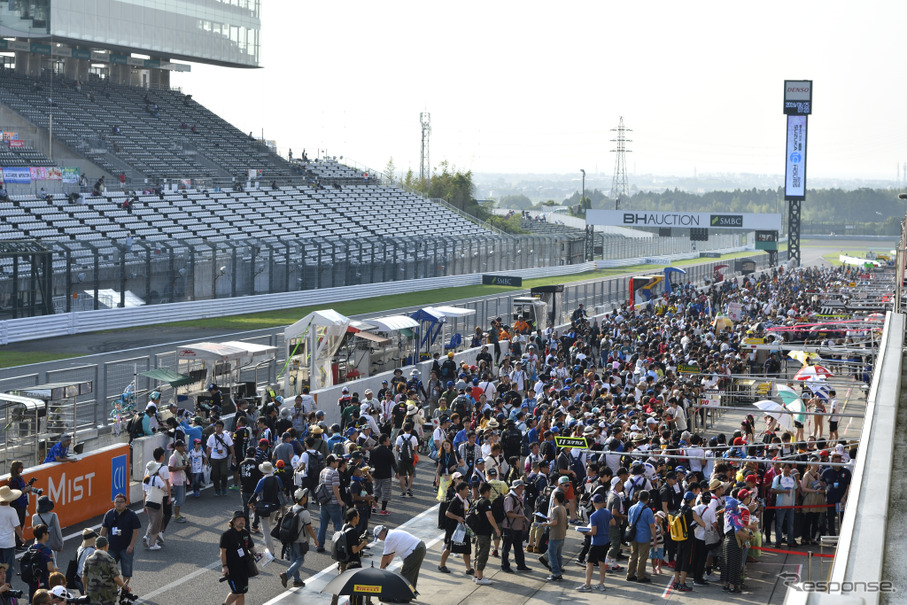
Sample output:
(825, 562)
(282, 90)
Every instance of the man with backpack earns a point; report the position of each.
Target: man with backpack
(37, 563)
(249, 476)
(682, 525)
(514, 524)
(642, 528)
(406, 446)
(328, 496)
(295, 531)
(483, 524)
(100, 576)
(266, 499)
(310, 465)
(346, 547)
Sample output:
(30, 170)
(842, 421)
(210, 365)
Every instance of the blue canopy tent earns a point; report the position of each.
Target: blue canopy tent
(431, 321)
(668, 271)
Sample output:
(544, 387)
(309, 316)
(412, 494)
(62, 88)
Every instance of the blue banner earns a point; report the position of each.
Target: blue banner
(17, 175)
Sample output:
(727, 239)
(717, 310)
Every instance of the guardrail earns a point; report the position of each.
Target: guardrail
(63, 324)
(865, 541)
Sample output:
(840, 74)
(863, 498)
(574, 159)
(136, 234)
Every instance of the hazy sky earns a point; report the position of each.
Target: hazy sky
(533, 87)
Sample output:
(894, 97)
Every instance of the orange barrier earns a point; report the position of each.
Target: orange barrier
(80, 490)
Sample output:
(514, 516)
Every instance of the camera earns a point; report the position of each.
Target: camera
(34, 490)
(16, 594)
(126, 597)
(83, 600)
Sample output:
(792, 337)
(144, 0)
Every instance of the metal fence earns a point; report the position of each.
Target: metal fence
(112, 377)
(91, 275)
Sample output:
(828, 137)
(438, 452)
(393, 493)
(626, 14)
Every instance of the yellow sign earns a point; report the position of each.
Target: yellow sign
(688, 369)
(571, 442)
(366, 589)
(754, 341)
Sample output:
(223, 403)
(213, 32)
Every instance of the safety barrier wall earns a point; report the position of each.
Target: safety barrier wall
(80, 490)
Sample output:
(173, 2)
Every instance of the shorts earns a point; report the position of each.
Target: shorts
(179, 495)
(383, 490)
(657, 553)
(406, 467)
(568, 492)
(238, 585)
(832, 427)
(598, 553)
(798, 425)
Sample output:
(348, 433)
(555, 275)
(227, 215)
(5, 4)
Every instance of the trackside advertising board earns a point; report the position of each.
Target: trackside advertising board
(80, 490)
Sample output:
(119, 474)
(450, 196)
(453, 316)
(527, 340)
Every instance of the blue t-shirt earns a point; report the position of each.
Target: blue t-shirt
(601, 519)
(643, 516)
(57, 451)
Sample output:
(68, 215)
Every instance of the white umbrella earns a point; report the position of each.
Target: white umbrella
(776, 411)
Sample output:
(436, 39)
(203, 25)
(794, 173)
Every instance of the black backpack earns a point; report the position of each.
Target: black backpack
(30, 565)
(288, 528)
(313, 468)
(134, 427)
(513, 441)
(406, 448)
(473, 517)
(544, 499)
(497, 509)
(340, 547)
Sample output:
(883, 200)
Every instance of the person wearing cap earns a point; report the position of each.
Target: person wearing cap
(642, 518)
(177, 465)
(836, 481)
(60, 451)
(299, 546)
(100, 575)
(45, 566)
(10, 526)
(684, 562)
(600, 524)
(266, 500)
(156, 489)
(219, 450)
(197, 462)
(514, 527)
(406, 447)
(236, 550)
(400, 543)
(784, 486)
(121, 527)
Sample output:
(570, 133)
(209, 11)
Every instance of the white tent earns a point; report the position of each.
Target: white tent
(213, 356)
(393, 323)
(311, 344)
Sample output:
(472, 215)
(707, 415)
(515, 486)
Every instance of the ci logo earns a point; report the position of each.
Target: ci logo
(796, 158)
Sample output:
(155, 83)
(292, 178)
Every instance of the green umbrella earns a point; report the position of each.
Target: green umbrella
(792, 402)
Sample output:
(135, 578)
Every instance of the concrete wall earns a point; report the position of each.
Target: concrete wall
(37, 137)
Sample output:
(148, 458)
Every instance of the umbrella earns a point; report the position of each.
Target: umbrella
(812, 371)
(388, 586)
(722, 322)
(776, 411)
(803, 356)
(875, 317)
(818, 386)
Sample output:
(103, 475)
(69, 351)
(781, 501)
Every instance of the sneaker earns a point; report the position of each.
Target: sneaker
(644, 580)
(320, 549)
(507, 570)
(470, 572)
(384, 513)
(631, 578)
(145, 540)
(524, 568)
(255, 530)
(712, 577)
(409, 493)
(544, 561)
(233, 488)
(160, 538)
(581, 563)
(196, 494)
(180, 519)
(155, 547)
(494, 553)
(483, 582)
(553, 578)
(599, 587)
(583, 588)
(443, 569)
(698, 583)
(298, 583)
(402, 494)
(284, 579)
(684, 588)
